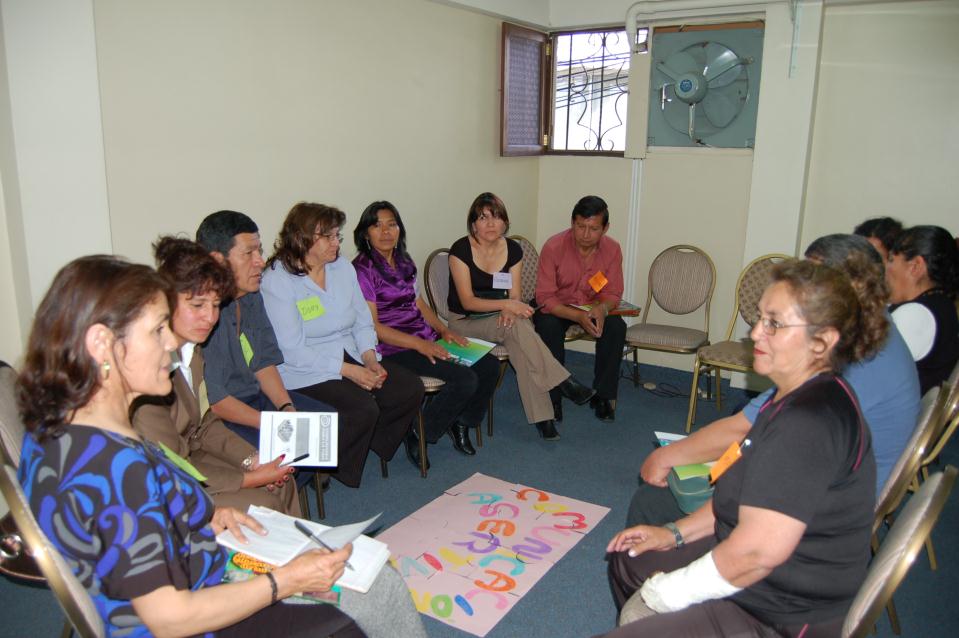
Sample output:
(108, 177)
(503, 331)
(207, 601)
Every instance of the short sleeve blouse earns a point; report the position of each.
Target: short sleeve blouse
(480, 280)
(126, 520)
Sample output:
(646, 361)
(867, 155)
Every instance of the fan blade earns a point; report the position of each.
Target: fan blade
(723, 66)
(681, 62)
(720, 110)
(714, 72)
(692, 122)
(665, 70)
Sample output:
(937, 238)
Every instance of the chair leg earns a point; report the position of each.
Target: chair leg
(693, 395)
(304, 502)
(499, 382)
(635, 367)
(719, 390)
(422, 433)
(384, 469)
(67, 630)
(893, 617)
(318, 478)
(479, 426)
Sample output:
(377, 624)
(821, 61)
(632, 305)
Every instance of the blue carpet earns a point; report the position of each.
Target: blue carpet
(595, 462)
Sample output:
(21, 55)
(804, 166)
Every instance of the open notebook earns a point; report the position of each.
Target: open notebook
(284, 542)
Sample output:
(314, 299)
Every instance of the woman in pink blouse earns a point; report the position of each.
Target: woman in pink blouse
(408, 329)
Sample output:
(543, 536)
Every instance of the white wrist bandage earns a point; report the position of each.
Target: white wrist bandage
(694, 583)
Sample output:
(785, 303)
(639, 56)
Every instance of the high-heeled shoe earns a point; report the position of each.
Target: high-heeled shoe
(412, 445)
(460, 435)
(576, 391)
(547, 430)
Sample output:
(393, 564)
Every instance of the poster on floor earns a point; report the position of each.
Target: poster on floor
(471, 554)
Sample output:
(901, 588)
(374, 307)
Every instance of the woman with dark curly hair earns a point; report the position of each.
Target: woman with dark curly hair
(922, 274)
(136, 529)
(328, 341)
(180, 420)
(408, 329)
(783, 545)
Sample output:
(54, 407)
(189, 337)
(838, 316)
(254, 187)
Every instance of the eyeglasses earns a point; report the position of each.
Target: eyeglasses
(770, 326)
(330, 237)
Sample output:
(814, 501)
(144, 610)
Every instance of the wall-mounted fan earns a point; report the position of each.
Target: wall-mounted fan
(705, 88)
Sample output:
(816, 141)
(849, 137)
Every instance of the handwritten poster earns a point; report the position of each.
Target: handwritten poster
(471, 554)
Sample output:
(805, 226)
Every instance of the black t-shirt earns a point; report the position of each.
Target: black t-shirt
(480, 280)
(935, 367)
(809, 457)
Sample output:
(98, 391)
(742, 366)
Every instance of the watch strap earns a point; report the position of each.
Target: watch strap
(680, 541)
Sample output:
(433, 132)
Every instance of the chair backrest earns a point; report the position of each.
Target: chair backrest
(682, 279)
(897, 552)
(530, 266)
(749, 288)
(438, 281)
(73, 598)
(11, 427)
(904, 471)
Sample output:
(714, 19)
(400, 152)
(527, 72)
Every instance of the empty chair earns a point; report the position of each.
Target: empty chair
(729, 354)
(682, 279)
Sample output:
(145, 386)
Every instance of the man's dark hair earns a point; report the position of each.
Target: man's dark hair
(217, 231)
(589, 206)
(885, 229)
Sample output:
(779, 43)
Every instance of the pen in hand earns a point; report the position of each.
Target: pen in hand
(292, 461)
(306, 531)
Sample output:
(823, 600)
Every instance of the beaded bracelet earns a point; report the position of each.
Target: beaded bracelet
(273, 588)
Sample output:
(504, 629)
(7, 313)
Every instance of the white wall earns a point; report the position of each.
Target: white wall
(886, 137)
(255, 106)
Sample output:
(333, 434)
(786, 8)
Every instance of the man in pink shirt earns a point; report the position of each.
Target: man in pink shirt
(577, 267)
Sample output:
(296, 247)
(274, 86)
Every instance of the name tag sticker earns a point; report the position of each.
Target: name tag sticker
(502, 280)
(182, 463)
(246, 348)
(732, 454)
(310, 308)
(598, 281)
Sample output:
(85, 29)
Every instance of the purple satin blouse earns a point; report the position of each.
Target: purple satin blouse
(393, 290)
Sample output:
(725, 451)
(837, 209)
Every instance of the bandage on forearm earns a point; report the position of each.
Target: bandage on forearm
(697, 582)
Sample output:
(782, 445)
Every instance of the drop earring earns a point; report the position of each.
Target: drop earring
(105, 366)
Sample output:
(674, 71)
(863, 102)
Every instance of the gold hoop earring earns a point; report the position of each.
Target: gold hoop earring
(105, 366)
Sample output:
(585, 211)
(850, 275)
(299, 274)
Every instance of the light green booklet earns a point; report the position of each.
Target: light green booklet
(469, 354)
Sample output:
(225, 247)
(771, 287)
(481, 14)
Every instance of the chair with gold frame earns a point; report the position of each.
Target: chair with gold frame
(682, 279)
(81, 613)
(734, 355)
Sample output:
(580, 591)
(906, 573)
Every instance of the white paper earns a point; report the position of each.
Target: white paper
(310, 437)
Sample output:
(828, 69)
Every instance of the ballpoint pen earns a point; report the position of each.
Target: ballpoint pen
(306, 531)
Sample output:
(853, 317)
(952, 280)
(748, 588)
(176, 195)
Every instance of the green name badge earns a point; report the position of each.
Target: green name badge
(246, 348)
(182, 463)
(310, 308)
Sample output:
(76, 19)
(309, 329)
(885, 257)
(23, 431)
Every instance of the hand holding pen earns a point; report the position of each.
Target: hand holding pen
(309, 533)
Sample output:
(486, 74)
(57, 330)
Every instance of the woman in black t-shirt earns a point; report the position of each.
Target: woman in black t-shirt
(784, 543)
(922, 270)
(484, 299)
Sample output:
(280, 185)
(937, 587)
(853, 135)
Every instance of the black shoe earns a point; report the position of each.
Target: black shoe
(558, 411)
(412, 445)
(604, 408)
(576, 391)
(460, 435)
(547, 430)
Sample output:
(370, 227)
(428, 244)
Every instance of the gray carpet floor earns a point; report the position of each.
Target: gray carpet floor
(595, 462)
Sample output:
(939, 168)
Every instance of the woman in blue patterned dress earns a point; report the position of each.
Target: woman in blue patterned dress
(138, 531)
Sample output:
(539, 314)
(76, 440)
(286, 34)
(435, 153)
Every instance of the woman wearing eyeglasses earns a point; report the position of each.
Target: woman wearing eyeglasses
(783, 546)
(328, 341)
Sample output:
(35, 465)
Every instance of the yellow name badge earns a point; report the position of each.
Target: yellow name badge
(182, 463)
(246, 348)
(310, 308)
(598, 281)
(732, 454)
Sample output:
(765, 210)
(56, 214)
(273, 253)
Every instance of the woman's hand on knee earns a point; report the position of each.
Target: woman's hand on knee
(642, 538)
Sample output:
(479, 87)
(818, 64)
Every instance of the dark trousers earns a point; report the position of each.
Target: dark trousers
(721, 617)
(261, 402)
(464, 398)
(609, 350)
(653, 505)
(294, 620)
(375, 420)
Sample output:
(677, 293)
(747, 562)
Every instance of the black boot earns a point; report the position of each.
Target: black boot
(558, 410)
(576, 391)
(412, 445)
(460, 435)
(547, 430)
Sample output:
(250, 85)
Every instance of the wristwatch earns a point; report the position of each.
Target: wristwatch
(247, 463)
(675, 530)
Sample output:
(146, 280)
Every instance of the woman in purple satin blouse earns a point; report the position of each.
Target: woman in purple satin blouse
(408, 328)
